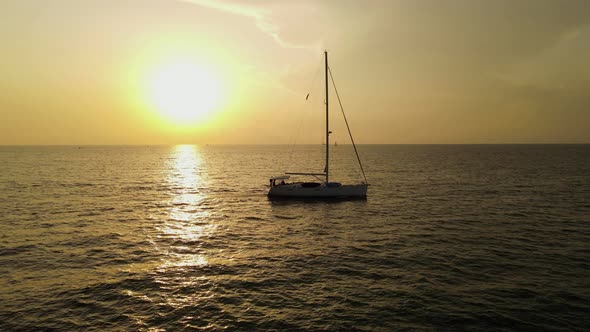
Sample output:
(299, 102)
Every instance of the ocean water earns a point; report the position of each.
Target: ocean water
(173, 238)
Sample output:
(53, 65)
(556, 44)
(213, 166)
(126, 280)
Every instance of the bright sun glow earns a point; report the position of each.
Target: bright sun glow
(185, 93)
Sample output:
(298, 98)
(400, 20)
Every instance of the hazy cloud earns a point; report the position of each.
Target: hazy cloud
(264, 14)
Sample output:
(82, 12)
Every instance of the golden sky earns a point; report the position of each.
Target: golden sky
(208, 72)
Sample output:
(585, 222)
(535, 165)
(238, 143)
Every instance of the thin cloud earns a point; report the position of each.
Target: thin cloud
(261, 16)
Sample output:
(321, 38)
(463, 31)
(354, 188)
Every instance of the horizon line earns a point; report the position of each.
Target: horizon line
(285, 144)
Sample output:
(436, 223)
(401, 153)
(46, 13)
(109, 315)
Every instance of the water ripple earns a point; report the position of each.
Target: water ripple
(160, 238)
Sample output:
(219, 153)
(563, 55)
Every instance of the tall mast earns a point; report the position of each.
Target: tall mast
(327, 119)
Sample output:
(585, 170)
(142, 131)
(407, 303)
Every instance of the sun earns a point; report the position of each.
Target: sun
(184, 93)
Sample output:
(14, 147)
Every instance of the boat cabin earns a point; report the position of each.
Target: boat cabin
(278, 180)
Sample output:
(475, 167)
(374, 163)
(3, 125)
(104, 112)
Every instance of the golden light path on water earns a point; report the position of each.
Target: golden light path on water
(176, 233)
(180, 235)
(186, 223)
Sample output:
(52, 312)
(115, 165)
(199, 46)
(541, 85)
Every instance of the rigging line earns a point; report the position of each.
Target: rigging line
(291, 147)
(314, 78)
(293, 140)
(347, 126)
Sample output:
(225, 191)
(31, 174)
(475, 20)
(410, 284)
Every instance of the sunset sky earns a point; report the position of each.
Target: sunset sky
(211, 72)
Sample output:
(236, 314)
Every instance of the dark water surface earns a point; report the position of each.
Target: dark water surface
(183, 238)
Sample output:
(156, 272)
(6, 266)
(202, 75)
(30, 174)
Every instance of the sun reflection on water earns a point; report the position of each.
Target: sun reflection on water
(187, 222)
(185, 180)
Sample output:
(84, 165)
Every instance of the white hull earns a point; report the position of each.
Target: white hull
(296, 190)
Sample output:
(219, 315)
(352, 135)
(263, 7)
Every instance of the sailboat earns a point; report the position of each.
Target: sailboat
(325, 188)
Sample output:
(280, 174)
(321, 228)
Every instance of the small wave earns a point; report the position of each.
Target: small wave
(89, 214)
(253, 218)
(224, 190)
(517, 214)
(83, 184)
(18, 250)
(138, 188)
(286, 217)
